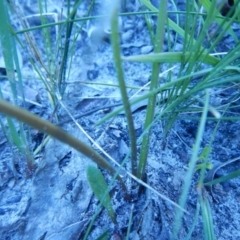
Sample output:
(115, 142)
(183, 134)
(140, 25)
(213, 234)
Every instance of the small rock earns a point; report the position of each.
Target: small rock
(127, 36)
(140, 26)
(128, 25)
(178, 47)
(117, 133)
(146, 49)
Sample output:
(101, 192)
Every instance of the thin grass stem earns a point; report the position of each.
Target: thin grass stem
(154, 83)
(120, 74)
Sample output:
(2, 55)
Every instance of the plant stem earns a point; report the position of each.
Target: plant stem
(127, 108)
(154, 81)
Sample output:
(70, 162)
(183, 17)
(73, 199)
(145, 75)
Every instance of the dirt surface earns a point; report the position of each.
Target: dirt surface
(56, 201)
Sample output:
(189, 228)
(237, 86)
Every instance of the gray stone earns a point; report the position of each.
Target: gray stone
(146, 49)
(127, 36)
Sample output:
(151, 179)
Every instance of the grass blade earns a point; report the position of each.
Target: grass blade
(207, 217)
(193, 161)
(8, 48)
(117, 59)
(172, 57)
(99, 187)
(69, 27)
(171, 23)
(207, 6)
(154, 81)
(10, 56)
(224, 178)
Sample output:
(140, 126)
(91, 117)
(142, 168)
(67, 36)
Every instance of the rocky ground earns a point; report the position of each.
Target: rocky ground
(56, 201)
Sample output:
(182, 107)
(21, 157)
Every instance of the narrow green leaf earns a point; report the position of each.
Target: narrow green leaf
(229, 176)
(8, 48)
(194, 222)
(170, 22)
(221, 22)
(100, 189)
(207, 218)
(69, 27)
(130, 222)
(16, 133)
(158, 46)
(171, 57)
(122, 86)
(190, 172)
(15, 139)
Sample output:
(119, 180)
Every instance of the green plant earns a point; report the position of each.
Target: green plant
(99, 187)
(181, 93)
(177, 94)
(15, 132)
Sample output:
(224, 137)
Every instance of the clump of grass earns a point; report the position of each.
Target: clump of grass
(176, 95)
(181, 93)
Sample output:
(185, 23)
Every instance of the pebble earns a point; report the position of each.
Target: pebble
(128, 25)
(127, 36)
(140, 25)
(146, 49)
(178, 47)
